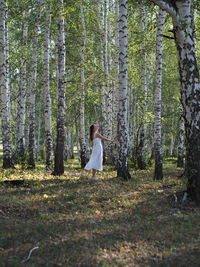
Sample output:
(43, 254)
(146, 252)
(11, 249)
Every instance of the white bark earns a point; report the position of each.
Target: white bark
(21, 99)
(69, 143)
(169, 7)
(106, 88)
(47, 96)
(115, 93)
(123, 91)
(83, 151)
(32, 103)
(59, 153)
(141, 164)
(181, 144)
(158, 174)
(5, 103)
(182, 15)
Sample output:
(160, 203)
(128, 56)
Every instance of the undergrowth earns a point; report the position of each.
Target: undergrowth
(111, 222)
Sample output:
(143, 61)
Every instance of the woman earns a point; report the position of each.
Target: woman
(96, 160)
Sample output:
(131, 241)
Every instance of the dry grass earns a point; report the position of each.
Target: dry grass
(110, 222)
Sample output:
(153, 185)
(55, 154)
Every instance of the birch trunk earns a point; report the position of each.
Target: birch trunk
(106, 89)
(47, 98)
(69, 143)
(107, 69)
(5, 103)
(21, 101)
(190, 94)
(122, 170)
(180, 156)
(141, 162)
(83, 152)
(183, 24)
(59, 153)
(32, 141)
(158, 171)
(115, 96)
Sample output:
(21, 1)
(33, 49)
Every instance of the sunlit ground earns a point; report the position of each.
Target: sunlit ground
(111, 222)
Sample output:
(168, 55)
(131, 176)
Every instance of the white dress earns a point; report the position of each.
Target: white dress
(96, 159)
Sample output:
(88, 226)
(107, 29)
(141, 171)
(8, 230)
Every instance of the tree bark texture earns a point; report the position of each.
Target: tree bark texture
(32, 103)
(5, 103)
(83, 151)
(47, 97)
(122, 170)
(181, 144)
(183, 26)
(115, 92)
(59, 153)
(141, 162)
(158, 171)
(21, 101)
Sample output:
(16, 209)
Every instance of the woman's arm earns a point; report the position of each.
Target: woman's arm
(103, 138)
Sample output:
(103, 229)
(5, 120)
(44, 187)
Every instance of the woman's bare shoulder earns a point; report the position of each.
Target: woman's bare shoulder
(97, 135)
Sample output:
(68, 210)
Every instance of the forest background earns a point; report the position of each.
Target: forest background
(60, 73)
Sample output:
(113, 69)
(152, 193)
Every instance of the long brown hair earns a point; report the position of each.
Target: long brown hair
(91, 132)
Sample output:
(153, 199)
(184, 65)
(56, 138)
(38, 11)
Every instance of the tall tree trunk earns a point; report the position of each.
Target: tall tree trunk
(141, 162)
(83, 152)
(181, 144)
(69, 143)
(158, 171)
(59, 153)
(32, 103)
(107, 69)
(183, 25)
(106, 95)
(190, 96)
(131, 109)
(115, 96)
(122, 170)
(5, 103)
(21, 101)
(47, 98)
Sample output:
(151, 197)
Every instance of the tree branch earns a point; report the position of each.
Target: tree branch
(166, 36)
(168, 6)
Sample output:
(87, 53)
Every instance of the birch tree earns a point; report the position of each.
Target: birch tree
(47, 96)
(106, 91)
(122, 170)
(158, 171)
(5, 109)
(115, 93)
(59, 153)
(21, 98)
(32, 103)
(83, 152)
(181, 144)
(142, 132)
(107, 70)
(182, 15)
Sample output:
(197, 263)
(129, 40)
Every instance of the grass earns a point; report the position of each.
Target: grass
(110, 222)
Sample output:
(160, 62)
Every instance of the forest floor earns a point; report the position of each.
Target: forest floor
(72, 221)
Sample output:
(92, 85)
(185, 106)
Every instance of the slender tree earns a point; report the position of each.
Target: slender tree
(21, 98)
(59, 153)
(182, 15)
(181, 144)
(32, 103)
(47, 96)
(141, 162)
(158, 172)
(122, 170)
(115, 96)
(5, 103)
(83, 152)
